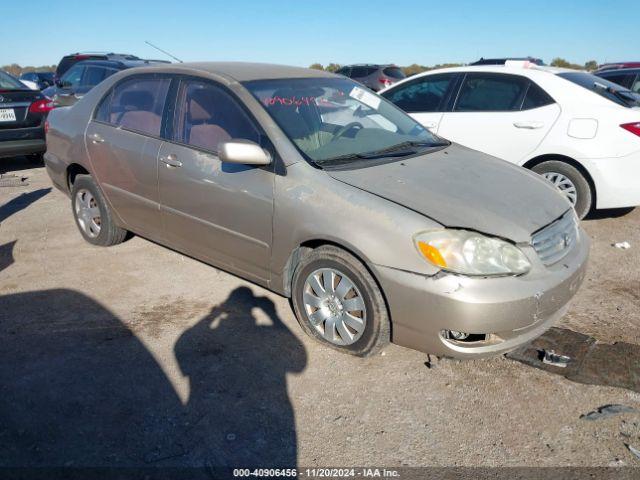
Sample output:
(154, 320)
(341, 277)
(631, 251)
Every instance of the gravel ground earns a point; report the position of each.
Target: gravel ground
(137, 355)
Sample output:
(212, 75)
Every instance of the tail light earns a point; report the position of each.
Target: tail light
(44, 105)
(632, 127)
(385, 81)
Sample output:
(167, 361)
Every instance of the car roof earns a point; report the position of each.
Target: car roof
(618, 71)
(245, 71)
(378, 65)
(513, 69)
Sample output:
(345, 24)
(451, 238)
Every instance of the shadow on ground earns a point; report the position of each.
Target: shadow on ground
(21, 202)
(77, 388)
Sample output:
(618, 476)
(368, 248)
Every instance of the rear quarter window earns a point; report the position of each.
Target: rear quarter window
(536, 97)
(393, 72)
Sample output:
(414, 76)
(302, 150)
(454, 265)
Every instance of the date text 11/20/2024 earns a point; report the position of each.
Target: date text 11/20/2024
(317, 472)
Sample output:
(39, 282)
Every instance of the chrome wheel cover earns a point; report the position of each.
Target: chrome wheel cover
(564, 184)
(334, 306)
(88, 213)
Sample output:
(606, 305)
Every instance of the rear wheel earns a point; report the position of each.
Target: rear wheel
(570, 182)
(337, 302)
(92, 215)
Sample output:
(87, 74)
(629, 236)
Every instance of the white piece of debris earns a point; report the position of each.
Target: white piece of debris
(633, 450)
(622, 245)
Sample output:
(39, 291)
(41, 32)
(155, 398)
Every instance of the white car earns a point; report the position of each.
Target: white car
(579, 131)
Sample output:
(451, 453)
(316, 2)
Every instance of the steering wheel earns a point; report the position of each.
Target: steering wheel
(346, 128)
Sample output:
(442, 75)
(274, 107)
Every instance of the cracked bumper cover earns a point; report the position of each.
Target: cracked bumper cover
(514, 310)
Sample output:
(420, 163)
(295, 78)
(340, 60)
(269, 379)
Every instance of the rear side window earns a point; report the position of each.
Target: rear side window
(536, 97)
(359, 72)
(426, 94)
(491, 93)
(136, 104)
(393, 72)
(207, 115)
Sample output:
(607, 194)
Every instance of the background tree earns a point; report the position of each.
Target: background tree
(332, 67)
(562, 63)
(591, 65)
(316, 66)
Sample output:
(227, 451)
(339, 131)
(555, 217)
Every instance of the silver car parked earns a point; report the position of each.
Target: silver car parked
(312, 186)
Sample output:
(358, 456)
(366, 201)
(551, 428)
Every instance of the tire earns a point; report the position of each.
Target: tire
(100, 229)
(374, 318)
(554, 170)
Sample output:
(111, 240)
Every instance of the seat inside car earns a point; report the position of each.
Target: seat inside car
(204, 126)
(136, 112)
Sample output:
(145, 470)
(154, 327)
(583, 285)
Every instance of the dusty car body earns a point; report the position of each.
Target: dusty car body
(270, 208)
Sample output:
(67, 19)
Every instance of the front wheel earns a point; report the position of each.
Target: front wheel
(337, 302)
(570, 182)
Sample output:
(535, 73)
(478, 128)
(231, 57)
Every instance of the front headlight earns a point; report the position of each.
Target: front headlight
(471, 253)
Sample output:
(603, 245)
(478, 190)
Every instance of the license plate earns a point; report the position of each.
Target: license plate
(7, 115)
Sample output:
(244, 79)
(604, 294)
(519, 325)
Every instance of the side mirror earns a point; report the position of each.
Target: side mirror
(243, 152)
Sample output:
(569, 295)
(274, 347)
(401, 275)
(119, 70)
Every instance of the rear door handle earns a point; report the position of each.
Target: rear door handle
(528, 125)
(171, 161)
(95, 138)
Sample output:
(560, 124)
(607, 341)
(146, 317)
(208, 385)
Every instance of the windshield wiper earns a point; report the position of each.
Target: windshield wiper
(399, 150)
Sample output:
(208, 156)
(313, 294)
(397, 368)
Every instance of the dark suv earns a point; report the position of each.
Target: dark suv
(627, 77)
(502, 61)
(23, 114)
(85, 75)
(69, 61)
(376, 77)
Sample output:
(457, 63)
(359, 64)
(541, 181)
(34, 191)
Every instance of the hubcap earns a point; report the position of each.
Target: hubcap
(564, 184)
(87, 213)
(334, 306)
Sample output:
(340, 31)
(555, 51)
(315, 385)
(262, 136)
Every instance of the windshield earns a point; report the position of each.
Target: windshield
(605, 88)
(7, 82)
(335, 119)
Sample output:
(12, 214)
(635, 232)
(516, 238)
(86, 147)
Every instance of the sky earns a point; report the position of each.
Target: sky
(304, 32)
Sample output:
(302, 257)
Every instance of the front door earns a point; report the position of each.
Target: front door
(123, 141)
(506, 116)
(221, 213)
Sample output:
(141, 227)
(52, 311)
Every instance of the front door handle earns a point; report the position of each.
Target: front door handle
(528, 125)
(171, 161)
(430, 124)
(95, 138)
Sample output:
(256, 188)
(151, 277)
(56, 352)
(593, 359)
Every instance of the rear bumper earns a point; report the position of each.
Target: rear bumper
(57, 171)
(13, 148)
(511, 311)
(617, 180)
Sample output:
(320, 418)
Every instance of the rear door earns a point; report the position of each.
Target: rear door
(424, 98)
(123, 141)
(504, 115)
(215, 211)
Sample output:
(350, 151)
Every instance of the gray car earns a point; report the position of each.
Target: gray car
(312, 186)
(375, 77)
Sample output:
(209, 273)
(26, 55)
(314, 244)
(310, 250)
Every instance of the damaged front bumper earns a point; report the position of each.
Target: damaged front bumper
(500, 313)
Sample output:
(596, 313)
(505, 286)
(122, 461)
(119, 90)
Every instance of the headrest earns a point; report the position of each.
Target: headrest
(137, 100)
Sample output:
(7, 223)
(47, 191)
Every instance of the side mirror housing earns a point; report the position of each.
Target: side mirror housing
(243, 152)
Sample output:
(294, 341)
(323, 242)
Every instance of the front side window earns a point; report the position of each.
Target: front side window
(425, 94)
(482, 92)
(334, 120)
(73, 77)
(93, 75)
(208, 115)
(136, 104)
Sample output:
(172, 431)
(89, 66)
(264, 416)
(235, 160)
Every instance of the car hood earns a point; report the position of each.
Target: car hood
(462, 188)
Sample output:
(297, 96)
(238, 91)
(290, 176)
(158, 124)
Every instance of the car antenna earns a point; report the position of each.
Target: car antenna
(163, 51)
